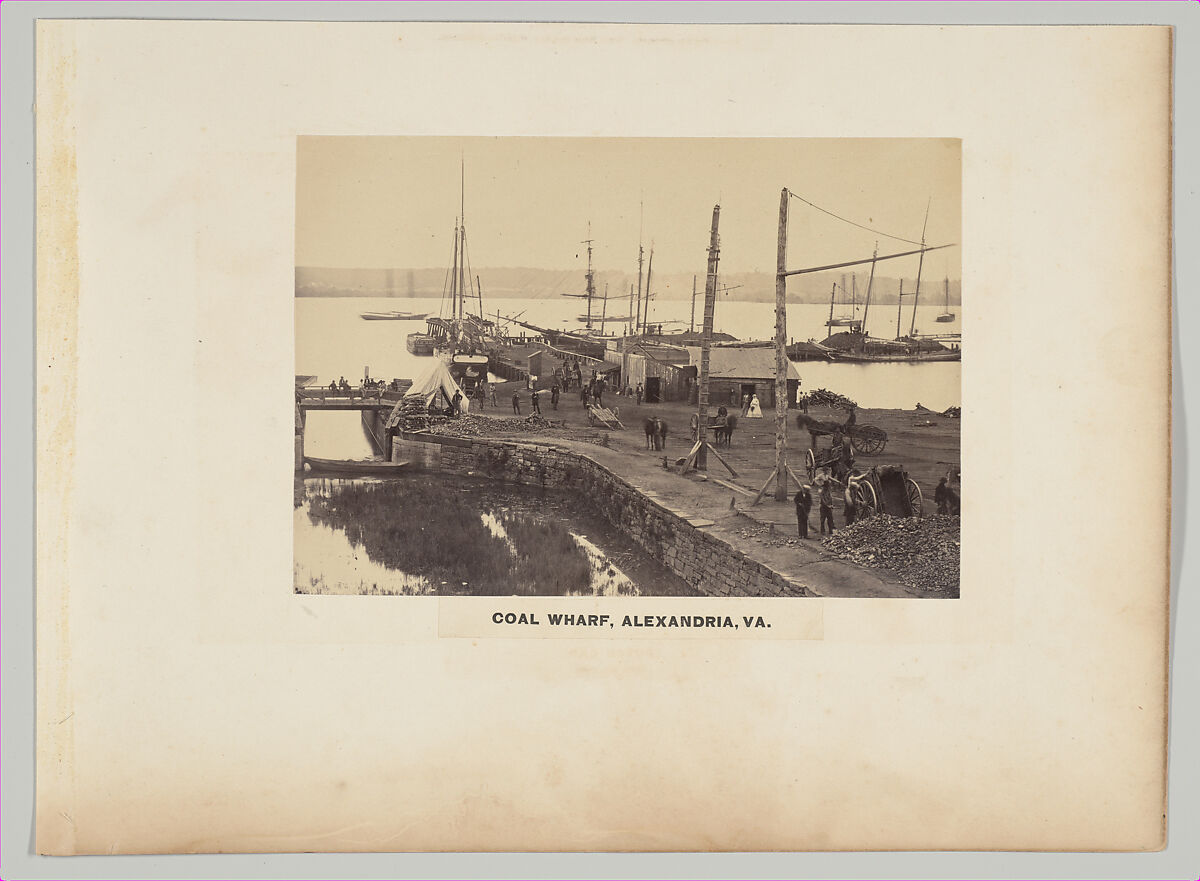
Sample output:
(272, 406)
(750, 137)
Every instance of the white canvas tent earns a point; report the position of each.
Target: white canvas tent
(437, 379)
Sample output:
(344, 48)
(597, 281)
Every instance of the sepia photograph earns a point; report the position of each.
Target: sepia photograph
(628, 367)
(605, 341)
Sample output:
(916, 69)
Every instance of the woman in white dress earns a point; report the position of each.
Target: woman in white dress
(755, 410)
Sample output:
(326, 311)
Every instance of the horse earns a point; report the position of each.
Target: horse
(656, 433)
(651, 426)
(723, 434)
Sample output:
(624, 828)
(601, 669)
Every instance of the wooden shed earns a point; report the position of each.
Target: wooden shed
(734, 371)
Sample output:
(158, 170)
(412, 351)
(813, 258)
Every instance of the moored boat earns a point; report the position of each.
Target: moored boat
(394, 316)
(419, 343)
(353, 466)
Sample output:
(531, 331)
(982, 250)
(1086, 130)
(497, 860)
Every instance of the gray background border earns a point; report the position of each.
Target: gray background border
(1181, 859)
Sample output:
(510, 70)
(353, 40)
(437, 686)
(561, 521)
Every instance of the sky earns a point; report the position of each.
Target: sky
(377, 202)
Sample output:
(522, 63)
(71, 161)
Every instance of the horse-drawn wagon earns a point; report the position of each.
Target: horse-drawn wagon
(866, 440)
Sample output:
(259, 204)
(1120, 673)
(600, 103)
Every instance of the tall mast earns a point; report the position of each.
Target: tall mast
(646, 312)
(604, 309)
(641, 229)
(899, 307)
(870, 281)
(912, 328)
(829, 323)
(462, 213)
(638, 319)
(947, 294)
(454, 275)
(692, 323)
(591, 286)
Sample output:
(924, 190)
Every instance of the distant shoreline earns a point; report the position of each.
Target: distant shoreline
(526, 283)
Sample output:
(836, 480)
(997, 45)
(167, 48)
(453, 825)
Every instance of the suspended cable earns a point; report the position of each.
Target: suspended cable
(852, 223)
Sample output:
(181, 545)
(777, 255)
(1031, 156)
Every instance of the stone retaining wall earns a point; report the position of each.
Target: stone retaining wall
(704, 560)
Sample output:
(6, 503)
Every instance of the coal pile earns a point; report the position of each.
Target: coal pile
(412, 413)
(830, 399)
(924, 553)
(469, 425)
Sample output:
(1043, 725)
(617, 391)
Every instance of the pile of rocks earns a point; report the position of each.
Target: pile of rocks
(924, 553)
(470, 425)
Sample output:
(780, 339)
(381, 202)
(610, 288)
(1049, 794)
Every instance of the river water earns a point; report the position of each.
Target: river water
(424, 534)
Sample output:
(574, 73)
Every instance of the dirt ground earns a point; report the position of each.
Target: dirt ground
(925, 443)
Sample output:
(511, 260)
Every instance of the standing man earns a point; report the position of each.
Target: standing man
(639, 394)
(598, 389)
(849, 506)
(456, 403)
(492, 390)
(533, 401)
(941, 495)
(516, 404)
(825, 496)
(803, 506)
(554, 396)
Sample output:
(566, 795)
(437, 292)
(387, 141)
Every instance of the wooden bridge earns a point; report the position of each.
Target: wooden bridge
(374, 405)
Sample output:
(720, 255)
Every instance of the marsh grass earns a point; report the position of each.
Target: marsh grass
(423, 529)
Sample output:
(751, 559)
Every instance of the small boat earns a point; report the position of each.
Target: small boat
(420, 343)
(394, 316)
(375, 467)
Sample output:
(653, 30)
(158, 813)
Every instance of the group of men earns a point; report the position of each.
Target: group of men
(569, 372)
(482, 392)
(823, 485)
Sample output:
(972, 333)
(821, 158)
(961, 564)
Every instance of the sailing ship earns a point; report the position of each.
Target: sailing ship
(393, 316)
(946, 316)
(857, 346)
(461, 336)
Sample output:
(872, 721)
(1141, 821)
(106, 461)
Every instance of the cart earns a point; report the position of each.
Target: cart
(815, 460)
(887, 489)
(865, 439)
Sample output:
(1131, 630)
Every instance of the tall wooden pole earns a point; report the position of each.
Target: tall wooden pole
(710, 301)
(899, 308)
(781, 362)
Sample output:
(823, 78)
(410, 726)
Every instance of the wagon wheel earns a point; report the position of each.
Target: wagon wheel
(868, 440)
(865, 500)
(916, 502)
(810, 463)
